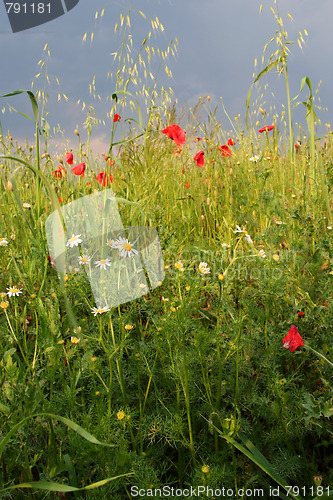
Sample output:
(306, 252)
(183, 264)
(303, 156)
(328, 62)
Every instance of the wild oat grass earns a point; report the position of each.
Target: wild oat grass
(190, 384)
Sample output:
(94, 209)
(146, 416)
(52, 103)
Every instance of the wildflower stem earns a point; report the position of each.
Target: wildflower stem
(317, 353)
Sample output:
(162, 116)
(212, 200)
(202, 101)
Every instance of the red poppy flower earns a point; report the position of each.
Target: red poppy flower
(61, 200)
(198, 139)
(268, 128)
(69, 158)
(296, 145)
(231, 142)
(226, 151)
(187, 185)
(116, 118)
(79, 169)
(58, 173)
(293, 339)
(103, 178)
(176, 134)
(199, 158)
(300, 314)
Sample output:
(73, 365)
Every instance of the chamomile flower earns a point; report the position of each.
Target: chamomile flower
(75, 340)
(99, 310)
(203, 268)
(102, 263)
(84, 259)
(111, 243)
(3, 242)
(13, 290)
(4, 304)
(125, 247)
(179, 265)
(74, 241)
(26, 205)
(248, 237)
(255, 158)
(262, 254)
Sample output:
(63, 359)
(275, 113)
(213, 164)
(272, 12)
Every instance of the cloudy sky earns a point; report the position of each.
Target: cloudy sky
(218, 43)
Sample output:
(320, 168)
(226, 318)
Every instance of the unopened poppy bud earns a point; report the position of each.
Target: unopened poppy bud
(317, 479)
(10, 186)
(59, 159)
(261, 111)
(43, 156)
(208, 98)
(76, 132)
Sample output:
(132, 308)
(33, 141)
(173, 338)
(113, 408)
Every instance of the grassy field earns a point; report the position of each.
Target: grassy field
(220, 376)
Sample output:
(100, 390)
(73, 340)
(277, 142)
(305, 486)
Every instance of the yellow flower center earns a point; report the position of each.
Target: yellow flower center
(102, 261)
(14, 290)
(73, 238)
(127, 246)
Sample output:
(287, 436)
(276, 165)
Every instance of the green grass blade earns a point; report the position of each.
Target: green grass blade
(72, 425)
(255, 456)
(51, 486)
(32, 100)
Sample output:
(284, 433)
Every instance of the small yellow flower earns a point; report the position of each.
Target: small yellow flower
(221, 277)
(188, 288)
(205, 469)
(60, 342)
(53, 295)
(276, 257)
(120, 415)
(93, 358)
(75, 340)
(173, 309)
(159, 328)
(128, 327)
(97, 393)
(159, 283)
(164, 299)
(4, 304)
(179, 265)
(33, 295)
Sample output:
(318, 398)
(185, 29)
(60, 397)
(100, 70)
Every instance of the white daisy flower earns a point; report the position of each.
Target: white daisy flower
(13, 290)
(203, 268)
(74, 241)
(84, 259)
(225, 245)
(248, 238)
(99, 310)
(111, 243)
(3, 242)
(102, 263)
(262, 254)
(125, 247)
(179, 265)
(26, 205)
(329, 227)
(255, 158)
